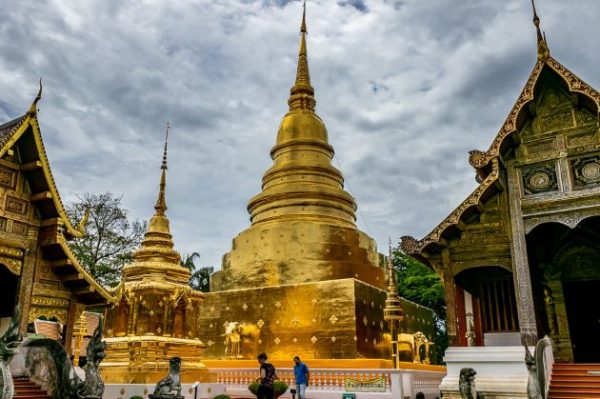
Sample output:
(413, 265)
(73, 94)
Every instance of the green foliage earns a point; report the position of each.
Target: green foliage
(279, 387)
(253, 388)
(136, 397)
(200, 278)
(222, 396)
(110, 236)
(417, 283)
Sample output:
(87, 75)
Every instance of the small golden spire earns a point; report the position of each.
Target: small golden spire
(33, 108)
(542, 46)
(161, 203)
(302, 93)
(391, 285)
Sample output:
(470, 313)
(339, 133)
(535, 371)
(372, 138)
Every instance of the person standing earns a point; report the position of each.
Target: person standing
(302, 377)
(266, 379)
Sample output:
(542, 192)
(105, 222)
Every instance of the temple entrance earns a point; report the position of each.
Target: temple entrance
(565, 274)
(8, 296)
(581, 300)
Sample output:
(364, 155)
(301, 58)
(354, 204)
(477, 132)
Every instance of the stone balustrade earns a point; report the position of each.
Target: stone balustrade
(330, 383)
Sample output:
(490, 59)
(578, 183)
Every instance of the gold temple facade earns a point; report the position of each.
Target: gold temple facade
(302, 279)
(36, 265)
(156, 314)
(519, 257)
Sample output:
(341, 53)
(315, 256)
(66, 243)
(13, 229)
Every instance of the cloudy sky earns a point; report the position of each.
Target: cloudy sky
(406, 89)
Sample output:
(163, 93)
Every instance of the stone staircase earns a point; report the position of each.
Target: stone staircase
(575, 381)
(25, 389)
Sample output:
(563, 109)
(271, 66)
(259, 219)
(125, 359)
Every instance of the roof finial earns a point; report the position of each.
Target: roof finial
(161, 203)
(302, 93)
(33, 108)
(542, 45)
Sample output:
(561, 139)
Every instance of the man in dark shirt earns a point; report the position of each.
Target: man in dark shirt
(266, 379)
(302, 377)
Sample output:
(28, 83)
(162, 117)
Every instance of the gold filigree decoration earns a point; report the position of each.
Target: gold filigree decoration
(333, 319)
(314, 339)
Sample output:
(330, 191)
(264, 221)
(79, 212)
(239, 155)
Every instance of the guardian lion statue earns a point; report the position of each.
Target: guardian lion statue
(466, 384)
(170, 386)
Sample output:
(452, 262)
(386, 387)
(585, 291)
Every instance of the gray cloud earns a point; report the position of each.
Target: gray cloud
(406, 90)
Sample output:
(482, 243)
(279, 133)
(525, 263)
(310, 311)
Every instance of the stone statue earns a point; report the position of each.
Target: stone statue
(233, 339)
(93, 386)
(47, 357)
(534, 390)
(9, 346)
(470, 335)
(170, 386)
(466, 384)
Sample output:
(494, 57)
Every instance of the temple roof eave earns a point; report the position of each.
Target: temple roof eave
(436, 237)
(480, 160)
(487, 163)
(10, 133)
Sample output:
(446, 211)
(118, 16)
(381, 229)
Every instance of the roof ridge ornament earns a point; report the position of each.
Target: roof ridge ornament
(302, 93)
(542, 45)
(161, 203)
(33, 108)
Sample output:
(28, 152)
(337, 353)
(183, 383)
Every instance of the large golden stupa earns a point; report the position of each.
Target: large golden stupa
(302, 279)
(156, 315)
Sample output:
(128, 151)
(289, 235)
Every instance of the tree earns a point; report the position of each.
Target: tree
(417, 283)
(110, 237)
(200, 279)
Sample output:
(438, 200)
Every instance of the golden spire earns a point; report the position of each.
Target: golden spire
(302, 93)
(161, 203)
(156, 253)
(390, 267)
(33, 108)
(542, 45)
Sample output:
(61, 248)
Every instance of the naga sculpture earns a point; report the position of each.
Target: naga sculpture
(466, 384)
(170, 386)
(68, 385)
(9, 344)
(536, 366)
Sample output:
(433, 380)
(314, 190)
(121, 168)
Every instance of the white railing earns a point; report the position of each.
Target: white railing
(326, 383)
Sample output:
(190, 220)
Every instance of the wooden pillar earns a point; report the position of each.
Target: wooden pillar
(450, 294)
(520, 262)
(75, 311)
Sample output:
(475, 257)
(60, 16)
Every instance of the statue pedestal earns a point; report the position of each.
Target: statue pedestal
(501, 371)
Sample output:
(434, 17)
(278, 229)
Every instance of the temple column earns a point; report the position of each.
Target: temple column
(520, 262)
(450, 294)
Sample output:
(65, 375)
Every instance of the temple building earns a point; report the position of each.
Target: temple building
(156, 313)
(302, 279)
(38, 271)
(520, 256)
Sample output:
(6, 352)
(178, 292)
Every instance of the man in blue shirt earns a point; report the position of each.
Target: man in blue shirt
(302, 377)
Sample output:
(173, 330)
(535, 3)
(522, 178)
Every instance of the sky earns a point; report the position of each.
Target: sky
(405, 87)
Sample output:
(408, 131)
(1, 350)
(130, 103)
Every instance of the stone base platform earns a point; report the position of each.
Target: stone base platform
(335, 319)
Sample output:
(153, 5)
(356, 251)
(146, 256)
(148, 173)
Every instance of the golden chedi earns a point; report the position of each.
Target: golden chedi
(156, 316)
(302, 279)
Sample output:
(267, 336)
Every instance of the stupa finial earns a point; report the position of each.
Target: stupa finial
(542, 46)
(161, 203)
(302, 93)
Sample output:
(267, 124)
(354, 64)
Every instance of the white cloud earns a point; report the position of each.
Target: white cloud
(405, 88)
